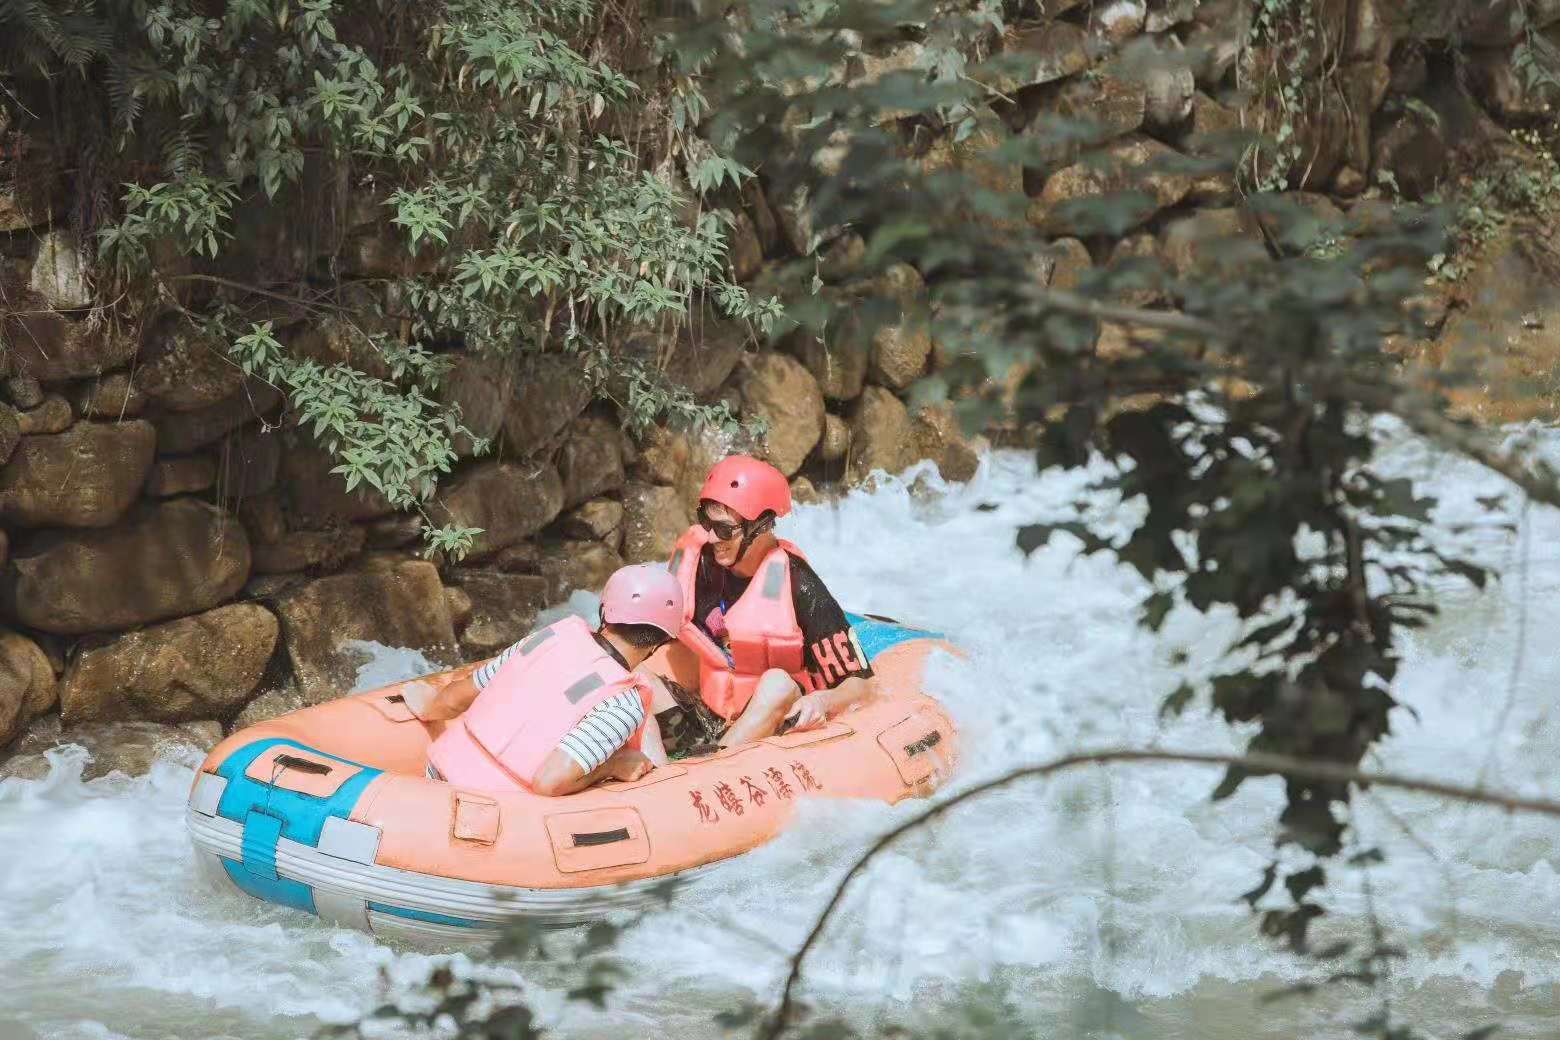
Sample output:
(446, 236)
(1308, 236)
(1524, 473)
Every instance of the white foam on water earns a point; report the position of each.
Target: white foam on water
(1098, 901)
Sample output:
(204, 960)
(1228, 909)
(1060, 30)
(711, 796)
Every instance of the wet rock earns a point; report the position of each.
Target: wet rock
(52, 348)
(1502, 343)
(577, 565)
(510, 501)
(1117, 21)
(838, 359)
(1164, 15)
(1071, 261)
(1168, 89)
(179, 433)
(1214, 236)
(550, 393)
(590, 462)
(248, 463)
(938, 437)
(181, 475)
(743, 249)
(199, 667)
(1214, 42)
(524, 558)
(1500, 22)
(379, 252)
(1415, 152)
(780, 391)
(999, 182)
(682, 457)
(53, 415)
(59, 273)
(1057, 50)
(1131, 170)
(27, 684)
(803, 493)
(1137, 273)
(600, 519)
(19, 211)
(654, 518)
(835, 442)
(460, 606)
(182, 368)
(130, 748)
(162, 561)
(392, 532)
(378, 561)
(881, 436)
(698, 354)
(403, 607)
(24, 391)
(331, 341)
(1109, 105)
(85, 477)
(317, 498)
(1505, 92)
(482, 388)
(306, 550)
(263, 518)
(110, 396)
(503, 608)
(842, 258)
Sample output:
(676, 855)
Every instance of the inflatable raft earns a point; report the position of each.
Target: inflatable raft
(329, 810)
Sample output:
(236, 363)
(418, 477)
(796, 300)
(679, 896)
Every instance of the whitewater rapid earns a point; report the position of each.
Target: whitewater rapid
(1097, 903)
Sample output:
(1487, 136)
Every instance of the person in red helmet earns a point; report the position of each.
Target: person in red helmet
(562, 708)
(775, 650)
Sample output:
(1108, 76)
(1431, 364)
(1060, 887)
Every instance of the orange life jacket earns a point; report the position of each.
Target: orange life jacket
(556, 677)
(761, 627)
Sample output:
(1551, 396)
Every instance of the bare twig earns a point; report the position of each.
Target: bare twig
(1254, 764)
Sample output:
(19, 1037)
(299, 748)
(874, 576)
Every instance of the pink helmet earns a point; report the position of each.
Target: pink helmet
(747, 487)
(643, 594)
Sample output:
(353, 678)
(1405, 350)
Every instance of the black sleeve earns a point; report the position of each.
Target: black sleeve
(832, 653)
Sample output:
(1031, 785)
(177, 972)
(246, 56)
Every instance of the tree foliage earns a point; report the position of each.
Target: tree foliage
(501, 138)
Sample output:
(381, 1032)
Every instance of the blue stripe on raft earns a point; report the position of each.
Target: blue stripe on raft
(261, 832)
(428, 916)
(274, 890)
(877, 636)
(302, 816)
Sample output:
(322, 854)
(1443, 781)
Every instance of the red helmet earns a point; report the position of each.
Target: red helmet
(747, 487)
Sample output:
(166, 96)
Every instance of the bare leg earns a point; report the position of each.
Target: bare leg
(773, 699)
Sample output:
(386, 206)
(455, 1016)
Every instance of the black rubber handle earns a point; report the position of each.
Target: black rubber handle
(926, 743)
(303, 765)
(600, 837)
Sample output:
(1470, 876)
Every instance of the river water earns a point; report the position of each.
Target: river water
(1099, 903)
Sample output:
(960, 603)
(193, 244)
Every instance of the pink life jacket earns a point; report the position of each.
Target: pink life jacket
(761, 627)
(556, 677)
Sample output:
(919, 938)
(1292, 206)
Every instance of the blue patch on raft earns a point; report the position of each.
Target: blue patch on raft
(269, 814)
(878, 636)
(285, 891)
(426, 915)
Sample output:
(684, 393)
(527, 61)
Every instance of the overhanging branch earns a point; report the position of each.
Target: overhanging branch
(1254, 764)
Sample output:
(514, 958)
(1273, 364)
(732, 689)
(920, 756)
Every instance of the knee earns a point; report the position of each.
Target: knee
(776, 691)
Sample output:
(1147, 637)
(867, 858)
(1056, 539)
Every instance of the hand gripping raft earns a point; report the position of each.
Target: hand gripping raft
(328, 810)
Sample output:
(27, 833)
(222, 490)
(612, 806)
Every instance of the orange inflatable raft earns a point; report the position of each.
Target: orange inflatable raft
(328, 809)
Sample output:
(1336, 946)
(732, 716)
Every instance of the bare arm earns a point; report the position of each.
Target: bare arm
(561, 775)
(447, 702)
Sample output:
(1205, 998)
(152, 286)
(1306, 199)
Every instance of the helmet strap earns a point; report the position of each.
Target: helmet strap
(765, 521)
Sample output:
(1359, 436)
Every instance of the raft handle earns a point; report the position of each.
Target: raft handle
(926, 743)
(395, 698)
(600, 837)
(303, 765)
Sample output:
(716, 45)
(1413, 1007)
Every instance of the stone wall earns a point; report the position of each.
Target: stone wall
(177, 558)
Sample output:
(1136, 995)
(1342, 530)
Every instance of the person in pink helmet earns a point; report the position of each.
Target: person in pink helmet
(775, 650)
(562, 708)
